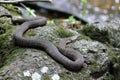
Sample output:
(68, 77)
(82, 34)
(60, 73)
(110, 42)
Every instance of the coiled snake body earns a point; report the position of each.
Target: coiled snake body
(69, 58)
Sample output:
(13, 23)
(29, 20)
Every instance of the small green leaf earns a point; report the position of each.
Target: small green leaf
(70, 19)
(30, 11)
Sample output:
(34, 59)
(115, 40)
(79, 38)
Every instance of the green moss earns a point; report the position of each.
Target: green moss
(30, 33)
(64, 76)
(62, 32)
(94, 68)
(6, 43)
(95, 34)
(113, 56)
(114, 37)
(71, 19)
(84, 37)
(46, 77)
(12, 9)
(2, 30)
(5, 40)
(73, 76)
(115, 63)
(109, 77)
(12, 52)
(8, 57)
(22, 56)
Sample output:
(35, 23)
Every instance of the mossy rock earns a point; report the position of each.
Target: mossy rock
(12, 9)
(95, 33)
(6, 42)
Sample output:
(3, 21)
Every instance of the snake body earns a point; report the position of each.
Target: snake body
(69, 58)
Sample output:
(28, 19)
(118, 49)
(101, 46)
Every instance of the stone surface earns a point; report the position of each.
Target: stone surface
(112, 29)
(32, 60)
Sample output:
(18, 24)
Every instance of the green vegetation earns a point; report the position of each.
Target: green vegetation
(115, 63)
(62, 32)
(84, 37)
(68, 76)
(95, 34)
(46, 77)
(83, 1)
(72, 22)
(30, 33)
(4, 38)
(12, 9)
(7, 47)
(30, 12)
(71, 19)
(64, 76)
(84, 9)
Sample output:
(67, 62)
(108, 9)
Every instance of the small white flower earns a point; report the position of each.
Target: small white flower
(26, 73)
(36, 76)
(55, 77)
(44, 69)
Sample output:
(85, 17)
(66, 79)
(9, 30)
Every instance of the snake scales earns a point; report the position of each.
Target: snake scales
(69, 58)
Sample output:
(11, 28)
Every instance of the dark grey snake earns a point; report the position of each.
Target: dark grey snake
(69, 58)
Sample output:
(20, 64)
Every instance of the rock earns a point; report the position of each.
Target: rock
(71, 8)
(63, 6)
(26, 62)
(3, 11)
(107, 32)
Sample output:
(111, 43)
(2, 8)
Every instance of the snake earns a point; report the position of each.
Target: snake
(71, 59)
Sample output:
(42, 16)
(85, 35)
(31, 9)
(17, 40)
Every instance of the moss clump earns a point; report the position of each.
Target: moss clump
(84, 37)
(46, 77)
(14, 10)
(2, 30)
(11, 53)
(109, 77)
(74, 76)
(6, 42)
(9, 56)
(30, 33)
(95, 34)
(114, 68)
(62, 32)
(65, 76)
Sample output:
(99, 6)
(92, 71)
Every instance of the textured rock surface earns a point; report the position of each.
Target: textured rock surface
(32, 60)
(113, 29)
(108, 33)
